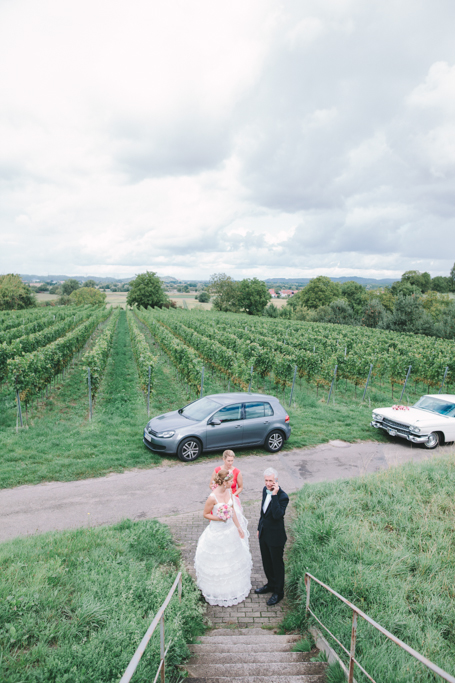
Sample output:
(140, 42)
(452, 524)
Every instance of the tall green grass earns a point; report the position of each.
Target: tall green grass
(75, 605)
(386, 543)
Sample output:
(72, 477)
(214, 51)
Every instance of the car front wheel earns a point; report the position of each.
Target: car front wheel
(433, 440)
(274, 441)
(189, 450)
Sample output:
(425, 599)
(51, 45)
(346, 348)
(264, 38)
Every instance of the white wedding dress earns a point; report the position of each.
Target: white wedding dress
(223, 560)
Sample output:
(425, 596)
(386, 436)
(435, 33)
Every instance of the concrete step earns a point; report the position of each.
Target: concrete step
(262, 679)
(269, 671)
(248, 640)
(255, 657)
(240, 647)
(241, 632)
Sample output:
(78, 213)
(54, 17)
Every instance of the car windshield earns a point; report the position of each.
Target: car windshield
(436, 405)
(201, 409)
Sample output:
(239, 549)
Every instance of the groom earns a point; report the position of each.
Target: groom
(272, 536)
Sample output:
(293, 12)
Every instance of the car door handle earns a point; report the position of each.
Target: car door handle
(238, 426)
(266, 422)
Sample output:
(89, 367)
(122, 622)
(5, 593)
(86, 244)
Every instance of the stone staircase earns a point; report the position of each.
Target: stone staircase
(251, 655)
(243, 645)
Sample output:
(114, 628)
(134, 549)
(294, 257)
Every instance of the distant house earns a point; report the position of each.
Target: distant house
(272, 293)
(287, 292)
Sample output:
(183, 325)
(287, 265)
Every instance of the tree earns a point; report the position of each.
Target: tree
(55, 289)
(271, 311)
(89, 283)
(320, 291)
(69, 286)
(409, 315)
(418, 279)
(15, 294)
(253, 296)
(452, 278)
(405, 288)
(225, 292)
(147, 291)
(373, 312)
(339, 312)
(441, 284)
(87, 295)
(203, 297)
(355, 295)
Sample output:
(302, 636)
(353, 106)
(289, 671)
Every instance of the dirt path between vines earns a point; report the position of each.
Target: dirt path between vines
(165, 491)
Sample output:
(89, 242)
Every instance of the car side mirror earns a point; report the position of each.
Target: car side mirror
(180, 411)
(215, 422)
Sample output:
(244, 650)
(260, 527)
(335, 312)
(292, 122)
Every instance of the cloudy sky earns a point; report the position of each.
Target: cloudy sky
(252, 137)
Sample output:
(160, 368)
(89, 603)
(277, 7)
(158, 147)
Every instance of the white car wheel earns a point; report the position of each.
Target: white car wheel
(432, 441)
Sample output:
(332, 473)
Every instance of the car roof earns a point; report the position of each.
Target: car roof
(445, 397)
(240, 397)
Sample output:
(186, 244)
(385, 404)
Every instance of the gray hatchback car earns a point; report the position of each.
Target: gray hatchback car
(219, 421)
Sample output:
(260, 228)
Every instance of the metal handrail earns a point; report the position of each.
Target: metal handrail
(351, 653)
(159, 618)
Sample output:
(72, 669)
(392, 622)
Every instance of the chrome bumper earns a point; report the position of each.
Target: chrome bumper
(397, 432)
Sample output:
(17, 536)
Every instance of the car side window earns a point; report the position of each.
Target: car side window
(254, 410)
(229, 413)
(268, 410)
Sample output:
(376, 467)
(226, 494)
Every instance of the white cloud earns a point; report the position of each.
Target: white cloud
(257, 138)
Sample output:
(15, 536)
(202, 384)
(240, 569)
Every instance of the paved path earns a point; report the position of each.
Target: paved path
(143, 494)
(253, 612)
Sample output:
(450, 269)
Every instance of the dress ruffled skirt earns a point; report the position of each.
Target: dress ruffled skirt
(223, 564)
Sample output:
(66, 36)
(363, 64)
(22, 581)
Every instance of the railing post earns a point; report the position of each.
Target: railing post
(352, 653)
(162, 648)
(251, 379)
(180, 588)
(307, 586)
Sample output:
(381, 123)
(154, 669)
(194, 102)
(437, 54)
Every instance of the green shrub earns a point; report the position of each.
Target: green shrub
(75, 605)
(384, 542)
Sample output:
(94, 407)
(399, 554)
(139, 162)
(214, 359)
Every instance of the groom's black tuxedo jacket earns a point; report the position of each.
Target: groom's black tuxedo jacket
(271, 523)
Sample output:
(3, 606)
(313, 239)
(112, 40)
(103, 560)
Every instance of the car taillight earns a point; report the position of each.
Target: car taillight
(286, 419)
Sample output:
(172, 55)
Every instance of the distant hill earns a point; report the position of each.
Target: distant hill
(82, 278)
(365, 281)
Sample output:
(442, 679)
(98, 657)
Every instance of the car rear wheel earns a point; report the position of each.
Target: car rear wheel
(274, 441)
(433, 440)
(189, 450)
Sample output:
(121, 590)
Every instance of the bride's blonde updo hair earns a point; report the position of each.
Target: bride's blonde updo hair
(222, 477)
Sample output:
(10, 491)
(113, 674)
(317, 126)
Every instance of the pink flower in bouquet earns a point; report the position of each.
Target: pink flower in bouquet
(224, 512)
(400, 407)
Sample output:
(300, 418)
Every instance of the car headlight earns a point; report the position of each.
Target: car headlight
(416, 430)
(377, 417)
(165, 435)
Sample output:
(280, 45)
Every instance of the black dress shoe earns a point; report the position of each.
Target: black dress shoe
(263, 589)
(274, 599)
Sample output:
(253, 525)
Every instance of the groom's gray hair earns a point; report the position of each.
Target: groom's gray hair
(270, 471)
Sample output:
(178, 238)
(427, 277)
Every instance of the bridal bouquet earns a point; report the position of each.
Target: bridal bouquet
(224, 512)
(400, 407)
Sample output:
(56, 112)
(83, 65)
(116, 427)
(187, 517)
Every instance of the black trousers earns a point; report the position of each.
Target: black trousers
(272, 561)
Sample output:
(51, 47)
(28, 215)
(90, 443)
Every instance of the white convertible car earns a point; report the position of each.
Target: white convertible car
(430, 421)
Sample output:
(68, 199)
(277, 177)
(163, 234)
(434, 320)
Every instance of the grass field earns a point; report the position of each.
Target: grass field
(75, 605)
(385, 542)
(59, 442)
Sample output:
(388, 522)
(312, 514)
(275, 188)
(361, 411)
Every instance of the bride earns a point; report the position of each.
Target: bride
(223, 559)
